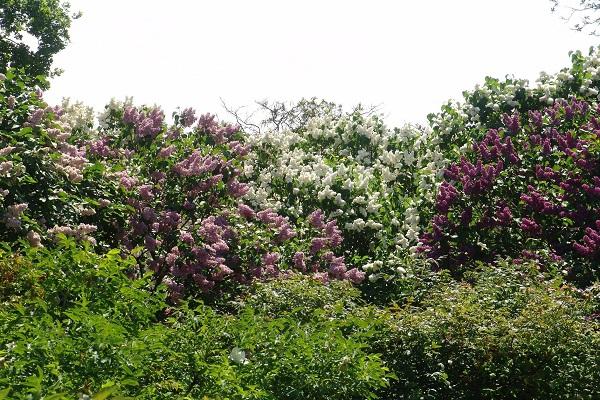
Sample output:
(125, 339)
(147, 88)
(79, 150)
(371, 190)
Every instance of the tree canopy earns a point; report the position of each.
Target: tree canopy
(32, 32)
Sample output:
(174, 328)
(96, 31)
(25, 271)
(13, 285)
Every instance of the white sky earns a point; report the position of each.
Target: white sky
(409, 56)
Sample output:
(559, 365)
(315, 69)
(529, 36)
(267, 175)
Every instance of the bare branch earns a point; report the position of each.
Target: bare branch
(583, 13)
(243, 122)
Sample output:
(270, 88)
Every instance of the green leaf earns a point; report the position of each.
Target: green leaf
(56, 396)
(4, 393)
(104, 393)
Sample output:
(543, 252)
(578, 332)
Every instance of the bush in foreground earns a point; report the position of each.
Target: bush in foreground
(72, 322)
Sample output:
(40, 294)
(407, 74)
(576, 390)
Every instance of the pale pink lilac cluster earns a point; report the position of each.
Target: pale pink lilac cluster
(13, 213)
(147, 124)
(80, 232)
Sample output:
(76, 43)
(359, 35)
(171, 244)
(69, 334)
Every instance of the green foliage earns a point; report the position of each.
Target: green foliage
(45, 21)
(299, 296)
(506, 333)
(143, 308)
(73, 322)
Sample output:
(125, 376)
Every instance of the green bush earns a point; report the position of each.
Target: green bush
(299, 296)
(505, 333)
(72, 323)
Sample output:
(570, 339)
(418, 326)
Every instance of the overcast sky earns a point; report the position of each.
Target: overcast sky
(409, 56)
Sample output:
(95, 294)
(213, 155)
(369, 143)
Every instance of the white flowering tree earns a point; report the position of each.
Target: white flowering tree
(377, 182)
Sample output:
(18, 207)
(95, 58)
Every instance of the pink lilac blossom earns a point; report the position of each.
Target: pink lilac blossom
(171, 259)
(151, 243)
(334, 234)
(6, 168)
(322, 277)
(127, 181)
(103, 203)
(237, 189)
(100, 148)
(337, 268)
(270, 271)
(196, 164)
(34, 239)
(299, 262)
(246, 212)
(186, 237)
(158, 176)
(512, 122)
(210, 231)
(355, 276)
(146, 124)
(221, 272)
(188, 117)
(238, 148)
(36, 118)
(12, 217)
(530, 226)
(146, 192)
(285, 233)
(175, 289)
(270, 258)
(317, 244)
(316, 219)
(6, 150)
(166, 152)
(219, 247)
(267, 216)
(203, 283)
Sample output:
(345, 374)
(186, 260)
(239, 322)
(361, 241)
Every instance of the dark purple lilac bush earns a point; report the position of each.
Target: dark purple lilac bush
(528, 190)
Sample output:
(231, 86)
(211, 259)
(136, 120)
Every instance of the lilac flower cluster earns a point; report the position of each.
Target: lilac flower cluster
(147, 124)
(492, 147)
(590, 246)
(101, 148)
(219, 133)
(188, 117)
(12, 216)
(196, 164)
(533, 186)
(475, 179)
(80, 232)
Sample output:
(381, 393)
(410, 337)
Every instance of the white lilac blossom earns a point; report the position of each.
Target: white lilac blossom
(77, 115)
(351, 166)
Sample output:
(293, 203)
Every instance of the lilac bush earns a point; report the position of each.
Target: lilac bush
(377, 182)
(188, 221)
(48, 185)
(528, 190)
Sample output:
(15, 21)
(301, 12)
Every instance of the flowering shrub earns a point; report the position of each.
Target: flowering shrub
(484, 107)
(530, 189)
(188, 259)
(377, 182)
(187, 219)
(47, 183)
(170, 195)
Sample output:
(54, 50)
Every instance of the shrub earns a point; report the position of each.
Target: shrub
(299, 297)
(47, 184)
(523, 172)
(72, 323)
(505, 333)
(528, 190)
(376, 181)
